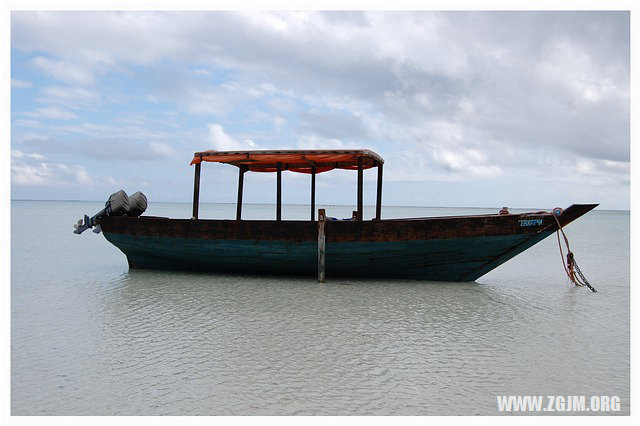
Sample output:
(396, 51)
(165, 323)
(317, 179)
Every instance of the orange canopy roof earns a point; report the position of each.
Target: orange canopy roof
(300, 161)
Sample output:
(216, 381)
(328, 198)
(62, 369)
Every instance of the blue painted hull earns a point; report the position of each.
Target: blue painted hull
(436, 249)
(456, 259)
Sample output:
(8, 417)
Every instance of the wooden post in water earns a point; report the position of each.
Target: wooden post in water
(360, 179)
(196, 191)
(379, 193)
(322, 220)
(313, 193)
(240, 184)
(279, 194)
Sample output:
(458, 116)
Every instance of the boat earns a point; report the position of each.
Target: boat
(448, 248)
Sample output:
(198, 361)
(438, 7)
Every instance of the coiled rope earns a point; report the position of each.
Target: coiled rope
(571, 266)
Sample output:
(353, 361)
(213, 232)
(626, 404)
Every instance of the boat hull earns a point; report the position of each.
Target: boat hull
(435, 249)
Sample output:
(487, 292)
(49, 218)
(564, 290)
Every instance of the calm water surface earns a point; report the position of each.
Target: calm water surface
(90, 337)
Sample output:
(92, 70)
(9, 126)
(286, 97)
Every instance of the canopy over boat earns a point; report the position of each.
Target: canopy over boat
(300, 161)
(310, 161)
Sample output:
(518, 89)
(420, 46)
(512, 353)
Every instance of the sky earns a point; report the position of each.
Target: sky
(468, 109)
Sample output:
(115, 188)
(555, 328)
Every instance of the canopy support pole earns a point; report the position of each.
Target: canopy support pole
(240, 184)
(279, 194)
(196, 191)
(379, 193)
(322, 220)
(313, 193)
(360, 179)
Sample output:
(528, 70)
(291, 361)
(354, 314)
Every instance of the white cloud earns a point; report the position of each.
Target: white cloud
(570, 66)
(221, 141)
(467, 161)
(206, 102)
(162, 149)
(33, 170)
(69, 96)
(20, 84)
(105, 39)
(202, 71)
(53, 113)
(113, 146)
(319, 142)
(111, 181)
(63, 70)
(27, 123)
(17, 154)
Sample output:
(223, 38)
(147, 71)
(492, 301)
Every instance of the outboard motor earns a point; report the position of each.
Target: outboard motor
(137, 204)
(118, 204)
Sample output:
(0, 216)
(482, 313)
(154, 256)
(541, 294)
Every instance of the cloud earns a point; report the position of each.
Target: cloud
(17, 154)
(206, 102)
(27, 123)
(162, 149)
(221, 141)
(103, 149)
(63, 70)
(319, 142)
(20, 84)
(332, 125)
(131, 132)
(466, 161)
(33, 170)
(52, 113)
(70, 96)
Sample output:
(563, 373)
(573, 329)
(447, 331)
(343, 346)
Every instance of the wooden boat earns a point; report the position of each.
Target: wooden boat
(453, 248)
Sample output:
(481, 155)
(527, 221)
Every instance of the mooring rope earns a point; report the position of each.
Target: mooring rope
(571, 266)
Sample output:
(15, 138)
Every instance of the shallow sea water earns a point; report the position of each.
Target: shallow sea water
(90, 337)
